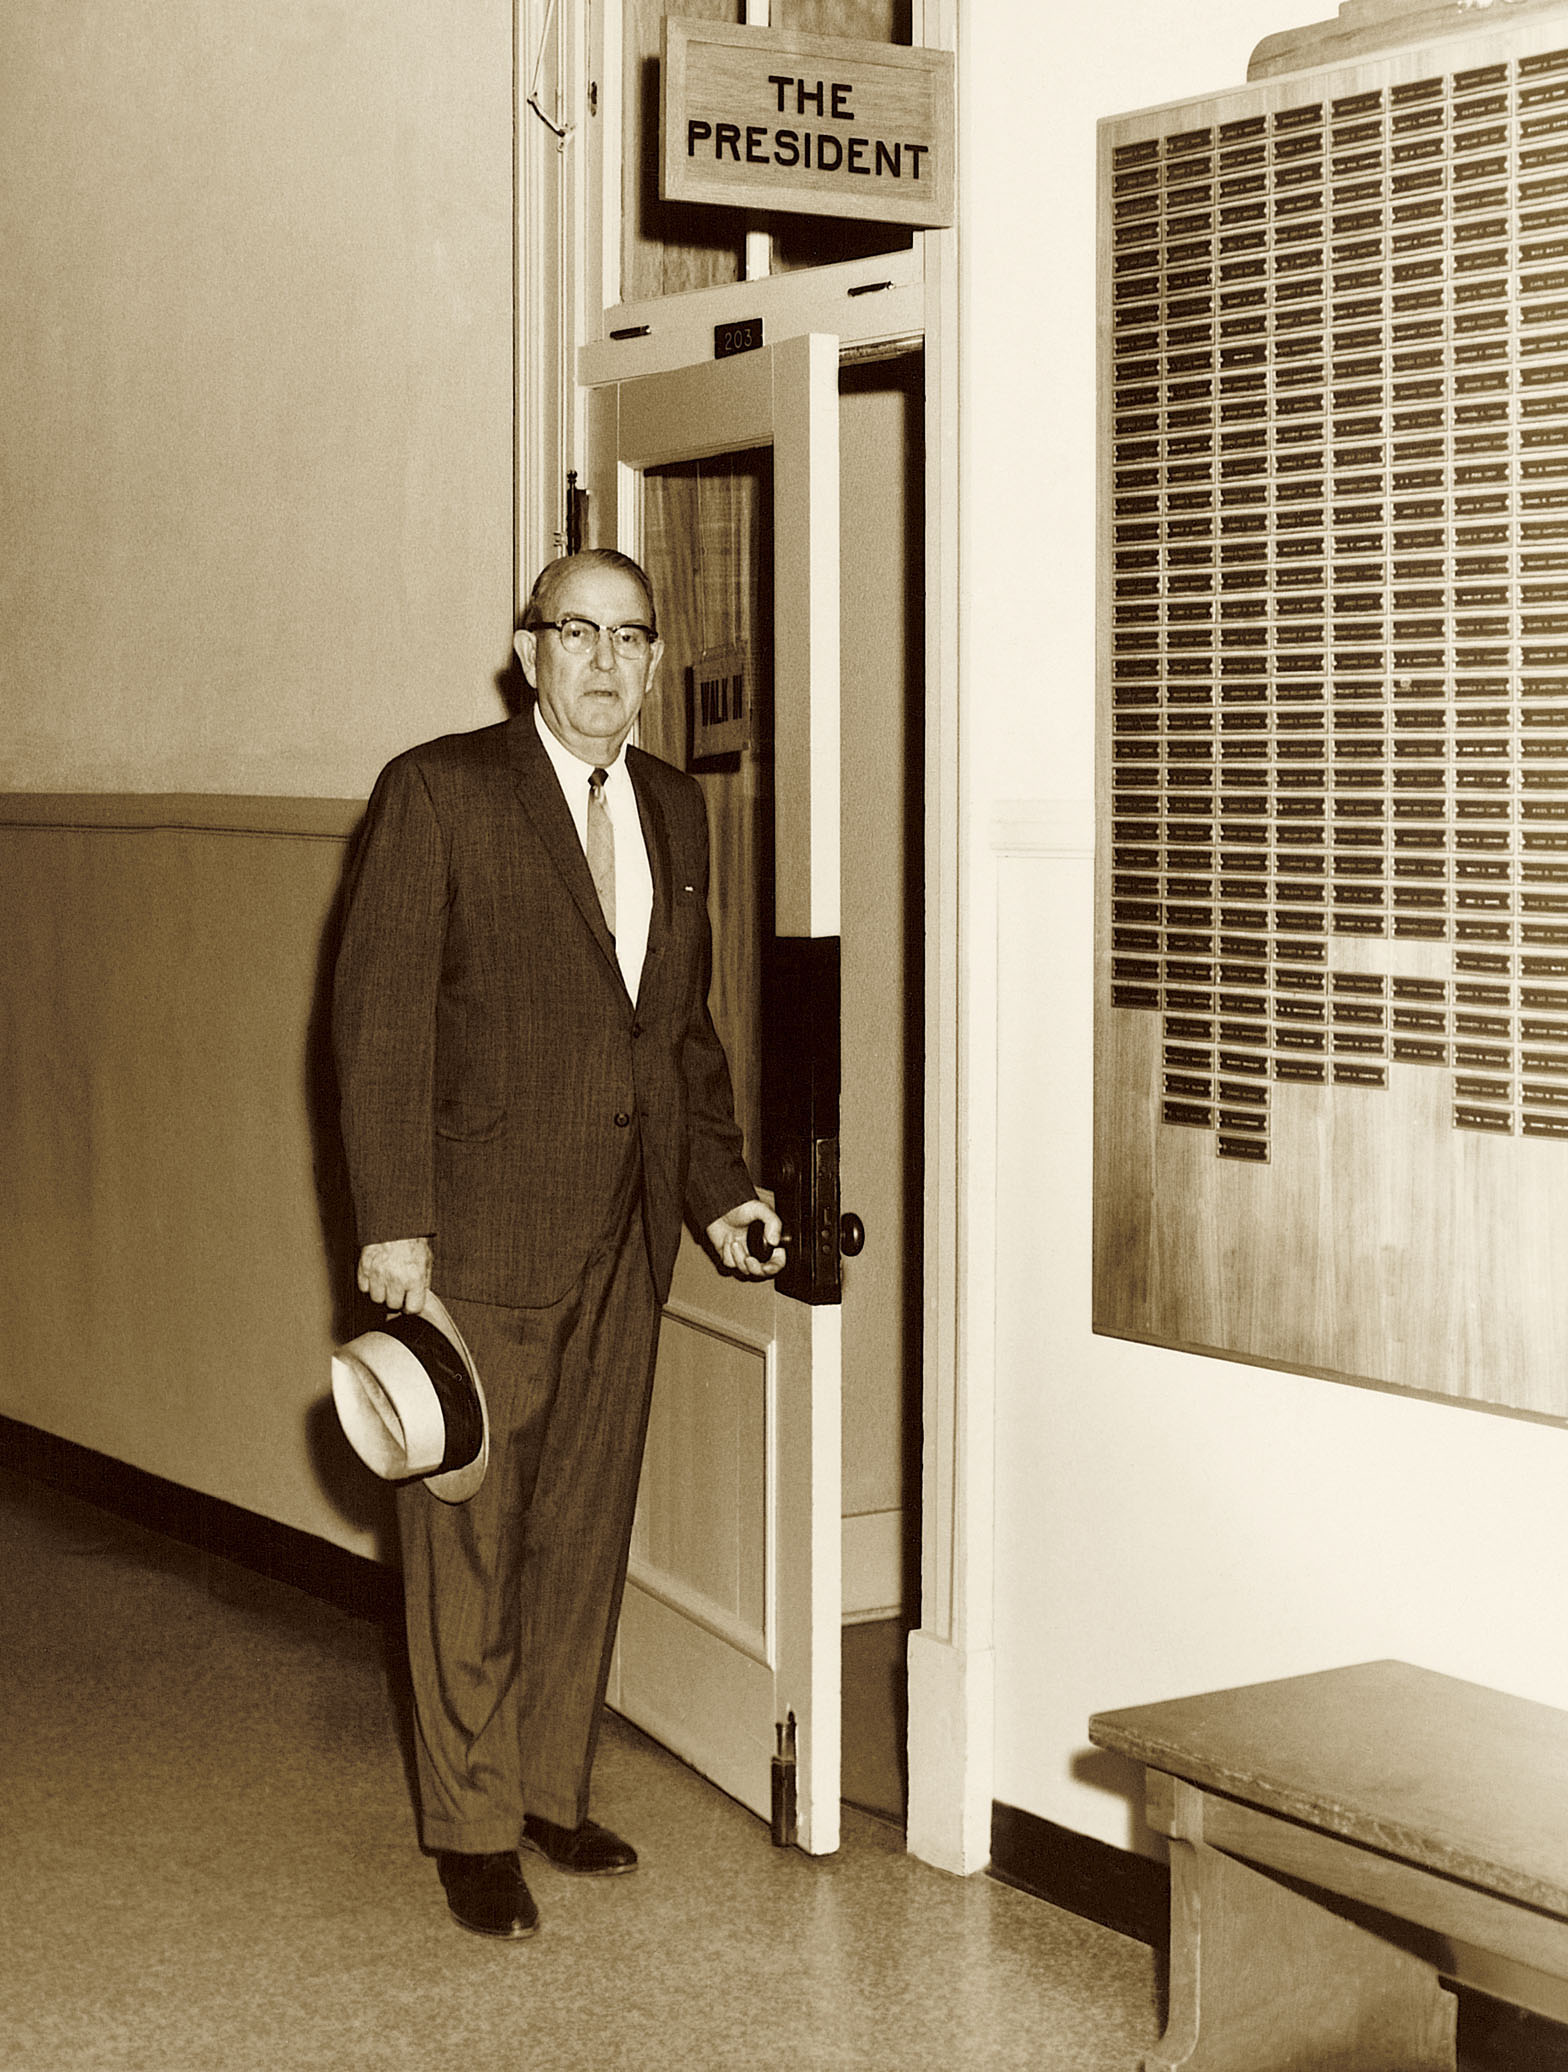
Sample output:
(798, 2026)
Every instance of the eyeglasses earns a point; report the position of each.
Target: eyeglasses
(632, 642)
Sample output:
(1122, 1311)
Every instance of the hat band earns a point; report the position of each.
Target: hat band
(461, 1411)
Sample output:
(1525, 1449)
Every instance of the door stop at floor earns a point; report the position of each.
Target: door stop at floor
(784, 1785)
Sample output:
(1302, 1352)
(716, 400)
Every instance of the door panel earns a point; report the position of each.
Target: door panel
(703, 1551)
(723, 480)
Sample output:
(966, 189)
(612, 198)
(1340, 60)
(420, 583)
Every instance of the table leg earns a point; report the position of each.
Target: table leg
(1264, 1978)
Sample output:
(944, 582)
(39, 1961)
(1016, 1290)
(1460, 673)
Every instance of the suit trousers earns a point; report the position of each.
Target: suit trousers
(513, 1597)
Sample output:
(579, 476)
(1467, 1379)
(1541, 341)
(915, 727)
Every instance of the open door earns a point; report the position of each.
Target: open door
(722, 480)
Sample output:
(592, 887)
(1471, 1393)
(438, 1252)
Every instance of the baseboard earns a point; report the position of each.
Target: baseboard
(1086, 1877)
(357, 1585)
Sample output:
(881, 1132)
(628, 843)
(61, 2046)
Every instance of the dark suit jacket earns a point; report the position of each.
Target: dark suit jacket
(490, 1059)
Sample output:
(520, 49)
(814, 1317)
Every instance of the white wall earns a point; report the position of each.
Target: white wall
(1164, 1523)
(255, 388)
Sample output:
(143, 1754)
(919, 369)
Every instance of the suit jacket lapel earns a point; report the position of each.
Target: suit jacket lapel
(540, 792)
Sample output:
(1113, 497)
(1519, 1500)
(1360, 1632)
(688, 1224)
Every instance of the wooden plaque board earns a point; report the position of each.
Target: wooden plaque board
(1332, 883)
(1363, 27)
(811, 125)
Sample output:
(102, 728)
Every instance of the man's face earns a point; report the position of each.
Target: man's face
(589, 701)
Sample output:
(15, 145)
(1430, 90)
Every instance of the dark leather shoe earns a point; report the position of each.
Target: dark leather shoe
(590, 1850)
(487, 1895)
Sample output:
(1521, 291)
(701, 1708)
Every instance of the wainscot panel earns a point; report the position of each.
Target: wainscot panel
(178, 1244)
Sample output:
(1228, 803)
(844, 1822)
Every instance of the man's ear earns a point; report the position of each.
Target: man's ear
(656, 656)
(525, 644)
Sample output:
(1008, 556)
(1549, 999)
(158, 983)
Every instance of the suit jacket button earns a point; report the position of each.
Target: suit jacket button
(636, 1030)
(622, 1119)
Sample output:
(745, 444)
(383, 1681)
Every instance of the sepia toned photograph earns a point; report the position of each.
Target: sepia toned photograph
(784, 1035)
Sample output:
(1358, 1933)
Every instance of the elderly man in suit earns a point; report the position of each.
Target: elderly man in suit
(534, 1098)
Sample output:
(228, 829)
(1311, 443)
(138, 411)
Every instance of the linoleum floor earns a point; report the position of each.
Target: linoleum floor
(210, 1866)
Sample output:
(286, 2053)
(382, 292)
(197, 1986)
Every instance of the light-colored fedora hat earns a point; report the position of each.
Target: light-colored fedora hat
(410, 1403)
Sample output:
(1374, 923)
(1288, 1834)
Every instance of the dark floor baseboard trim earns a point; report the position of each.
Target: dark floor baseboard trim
(1131, 1894)
(357, 1585)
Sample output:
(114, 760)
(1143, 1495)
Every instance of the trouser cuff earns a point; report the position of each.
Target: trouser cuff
(472, 1838)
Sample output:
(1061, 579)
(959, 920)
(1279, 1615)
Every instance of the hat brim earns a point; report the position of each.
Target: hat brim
(457, 1485)
(389, 1403)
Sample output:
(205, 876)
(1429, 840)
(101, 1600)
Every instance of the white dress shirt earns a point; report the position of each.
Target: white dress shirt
(633, 875)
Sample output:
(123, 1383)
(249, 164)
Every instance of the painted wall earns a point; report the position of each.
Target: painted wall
(1164, 1523)
(255, 388)
(256, 522)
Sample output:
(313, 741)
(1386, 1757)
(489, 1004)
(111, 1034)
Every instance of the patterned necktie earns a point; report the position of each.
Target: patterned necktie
(601, 847)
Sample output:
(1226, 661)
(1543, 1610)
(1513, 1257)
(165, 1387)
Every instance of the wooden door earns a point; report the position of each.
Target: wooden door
(723, 480)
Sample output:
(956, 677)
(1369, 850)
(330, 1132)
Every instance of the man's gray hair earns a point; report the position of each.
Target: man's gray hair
(539, 609)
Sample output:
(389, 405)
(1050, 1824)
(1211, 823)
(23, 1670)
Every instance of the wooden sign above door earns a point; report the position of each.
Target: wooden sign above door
(811, 125)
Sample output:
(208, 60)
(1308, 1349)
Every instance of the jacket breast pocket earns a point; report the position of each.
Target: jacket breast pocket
(688, 912)
(688, 936)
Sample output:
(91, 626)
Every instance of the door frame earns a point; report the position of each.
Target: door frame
(561, 355)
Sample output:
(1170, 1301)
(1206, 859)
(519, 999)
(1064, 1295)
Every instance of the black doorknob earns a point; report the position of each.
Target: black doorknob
(851, 1235)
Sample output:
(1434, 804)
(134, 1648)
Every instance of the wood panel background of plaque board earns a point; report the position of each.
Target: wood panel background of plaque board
(1332, 880)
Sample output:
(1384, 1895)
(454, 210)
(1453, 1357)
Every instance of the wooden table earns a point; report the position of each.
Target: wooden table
(1342, 1842)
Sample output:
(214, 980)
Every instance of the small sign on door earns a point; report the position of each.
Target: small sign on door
(721, 699)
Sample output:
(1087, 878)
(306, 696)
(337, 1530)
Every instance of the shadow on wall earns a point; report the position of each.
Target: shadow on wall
(365, 1503)
(334, 1203)
(1124, 1780)
(513, 688)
